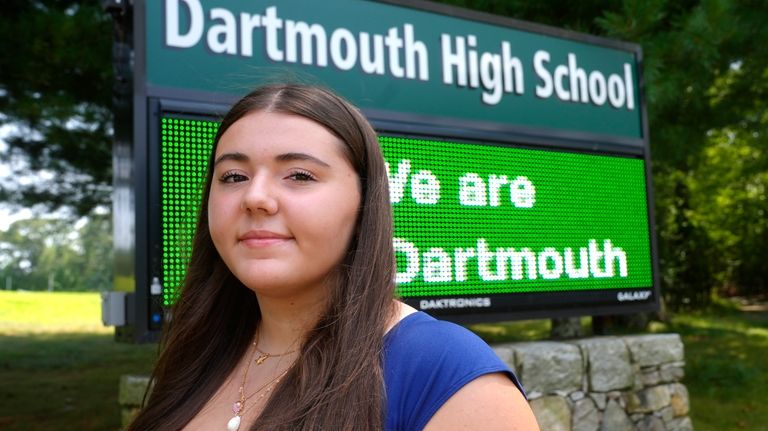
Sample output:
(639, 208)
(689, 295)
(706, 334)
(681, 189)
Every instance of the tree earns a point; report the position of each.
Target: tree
(41, 254)
(729, 186)
(27, 244)
(706, 76)
(55, 91)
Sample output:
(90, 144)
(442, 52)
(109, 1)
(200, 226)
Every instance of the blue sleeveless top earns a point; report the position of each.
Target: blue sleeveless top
(425, 362)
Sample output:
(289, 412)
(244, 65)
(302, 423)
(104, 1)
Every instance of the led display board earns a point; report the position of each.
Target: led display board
(481, 219)
(474, 223)
(518, 154)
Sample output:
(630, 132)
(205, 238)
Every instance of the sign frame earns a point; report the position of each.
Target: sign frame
(137, 170)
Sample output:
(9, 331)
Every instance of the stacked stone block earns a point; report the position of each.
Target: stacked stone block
(130, 395)
(629, 383)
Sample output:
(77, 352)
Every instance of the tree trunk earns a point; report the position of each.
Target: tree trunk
(566, 327)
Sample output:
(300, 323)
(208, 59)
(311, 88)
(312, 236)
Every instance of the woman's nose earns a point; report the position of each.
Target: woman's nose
(260, 196)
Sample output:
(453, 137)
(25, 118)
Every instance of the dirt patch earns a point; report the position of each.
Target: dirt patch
(752, 304)
(754, 308)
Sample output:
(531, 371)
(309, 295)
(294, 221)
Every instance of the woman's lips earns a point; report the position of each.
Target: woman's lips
(262, 238)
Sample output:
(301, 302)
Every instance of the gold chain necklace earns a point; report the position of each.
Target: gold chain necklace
(263, 356)
(238, 408)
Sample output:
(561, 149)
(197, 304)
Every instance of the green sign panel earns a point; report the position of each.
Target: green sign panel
(478, 219)
(470, 219)
(394, 59)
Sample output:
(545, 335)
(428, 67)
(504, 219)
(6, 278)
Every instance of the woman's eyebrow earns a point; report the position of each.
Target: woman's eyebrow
(235, 156)
(289, 157)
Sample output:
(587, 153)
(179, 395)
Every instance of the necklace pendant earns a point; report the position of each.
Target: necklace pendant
(260, 360)
(233, 423)
(237, 407)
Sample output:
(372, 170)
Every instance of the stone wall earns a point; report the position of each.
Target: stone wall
(628, 383)
(130, 395)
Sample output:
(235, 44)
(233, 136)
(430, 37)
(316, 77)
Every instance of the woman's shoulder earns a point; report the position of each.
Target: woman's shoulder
(425, 362)
(419, 335)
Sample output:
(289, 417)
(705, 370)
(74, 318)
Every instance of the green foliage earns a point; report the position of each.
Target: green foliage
(52, 254)
(731, 205)
(705, 85)
(55, 90)
(686, 274)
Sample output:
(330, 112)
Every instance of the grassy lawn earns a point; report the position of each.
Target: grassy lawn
(24, 313)
(60, 368)
(726, 368)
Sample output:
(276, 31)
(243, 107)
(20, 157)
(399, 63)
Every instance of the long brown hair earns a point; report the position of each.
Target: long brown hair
(337, 380)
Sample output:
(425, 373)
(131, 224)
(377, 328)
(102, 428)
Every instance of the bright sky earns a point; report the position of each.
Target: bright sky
(7, 217)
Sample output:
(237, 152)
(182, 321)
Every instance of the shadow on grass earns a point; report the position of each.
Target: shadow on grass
(65, 381)
(726, 367)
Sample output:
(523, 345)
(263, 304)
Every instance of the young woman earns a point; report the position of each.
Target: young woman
(287, 318)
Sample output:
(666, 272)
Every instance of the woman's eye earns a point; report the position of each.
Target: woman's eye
(232, 177)
(301, 176)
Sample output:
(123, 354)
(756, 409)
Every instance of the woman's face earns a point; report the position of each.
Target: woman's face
(283, 202)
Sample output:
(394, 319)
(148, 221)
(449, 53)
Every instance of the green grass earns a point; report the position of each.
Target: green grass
(50, 312)
(726, 368)
(59, 368)
(523, 330)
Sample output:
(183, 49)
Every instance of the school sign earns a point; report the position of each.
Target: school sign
(517, 153)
